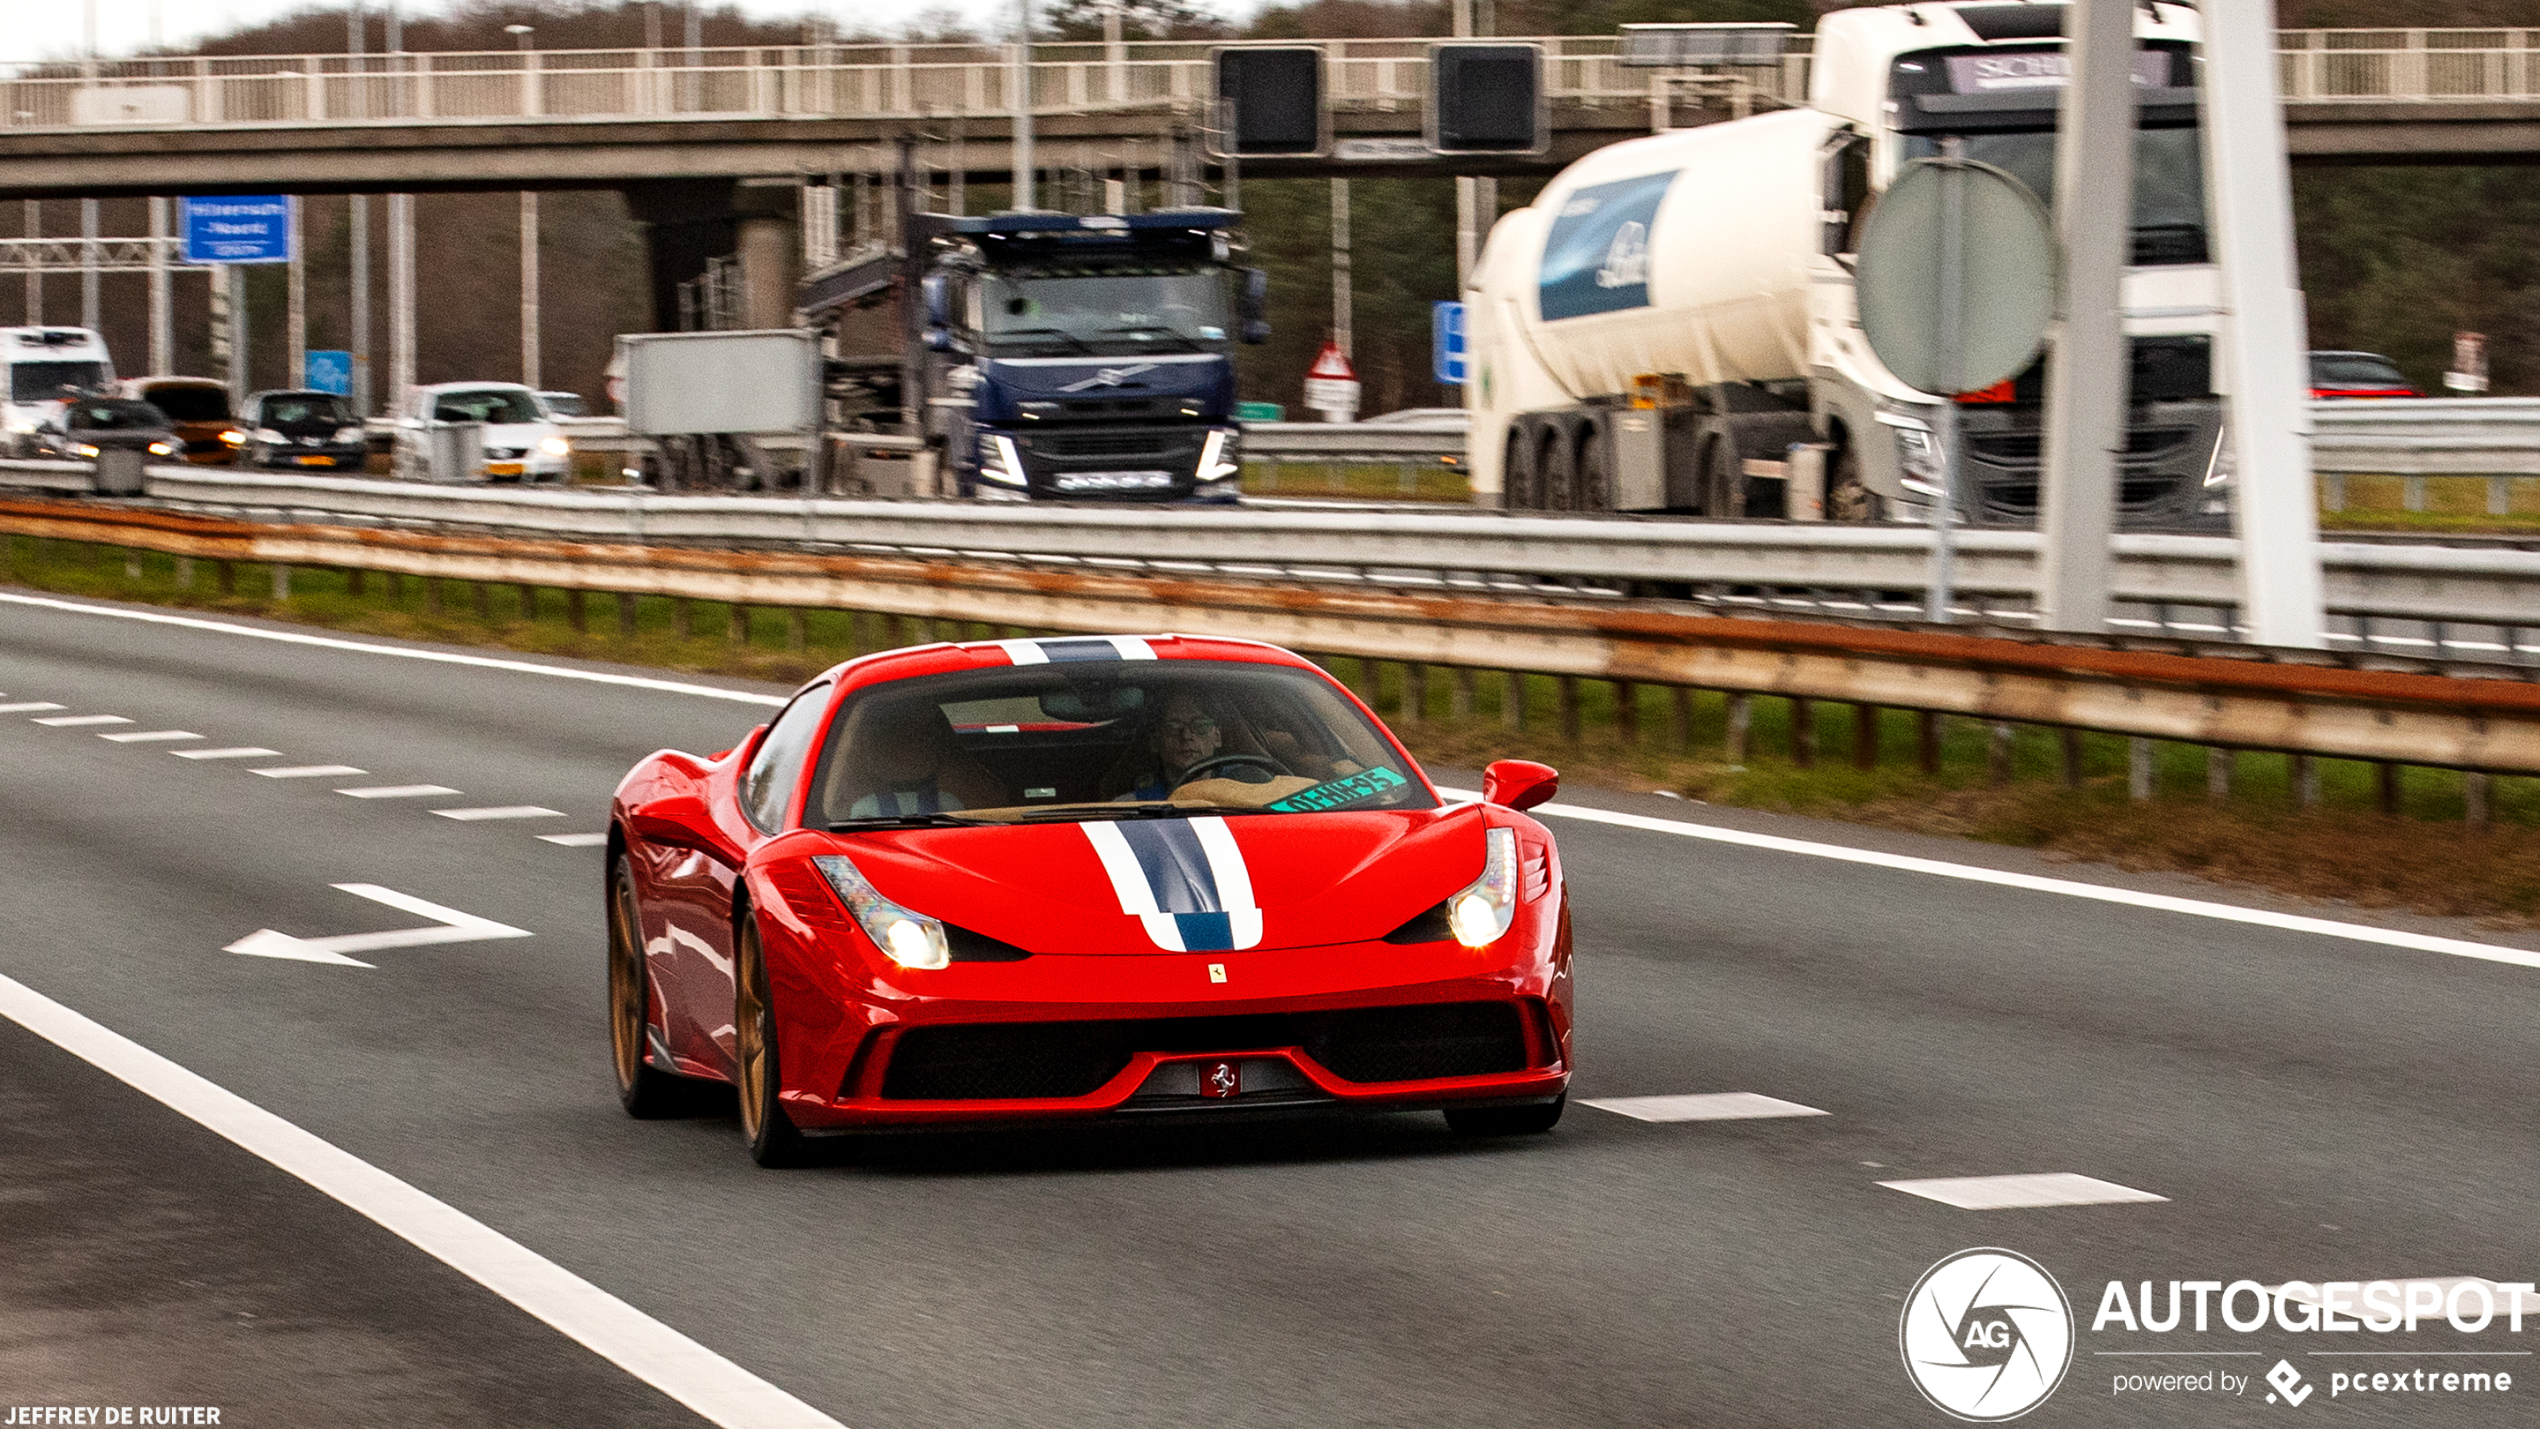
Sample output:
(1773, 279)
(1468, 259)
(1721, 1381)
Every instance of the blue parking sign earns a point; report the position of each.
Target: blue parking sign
(238, 230)
(1446, 342)
(331, 371)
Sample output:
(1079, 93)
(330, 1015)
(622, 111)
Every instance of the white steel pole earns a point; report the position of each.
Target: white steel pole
(2264, 341)
(1340, 267)
(401, 297)
(2087, 370)
(1467, 194)
(91, 306)
(162, 313)
(296, 305)
(35, 264)
(240, 353)
(359, 321)
(1022, 83)
(529, 287)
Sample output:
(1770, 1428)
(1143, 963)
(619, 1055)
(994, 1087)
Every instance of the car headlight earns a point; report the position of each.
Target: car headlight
(555, 446)
(19, 427)
(1215, 457)
(234, 437)
(342, 434)
(268, 434)
(910, 939)
(999, 461)
(163, 448)
(1480, 914)
(83, 448)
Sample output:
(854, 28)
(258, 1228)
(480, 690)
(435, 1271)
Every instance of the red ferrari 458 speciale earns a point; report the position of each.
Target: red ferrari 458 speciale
(1098, 877)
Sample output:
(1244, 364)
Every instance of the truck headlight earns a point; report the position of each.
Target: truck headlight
(908, 938)
(1917, 452)
(999, 461)
(555, 446)
(1218, 457)
(1479, 915)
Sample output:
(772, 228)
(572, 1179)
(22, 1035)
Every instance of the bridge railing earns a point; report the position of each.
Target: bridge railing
(2336, 66)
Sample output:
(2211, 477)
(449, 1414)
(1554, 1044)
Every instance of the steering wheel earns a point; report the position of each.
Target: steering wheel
(1208, 767)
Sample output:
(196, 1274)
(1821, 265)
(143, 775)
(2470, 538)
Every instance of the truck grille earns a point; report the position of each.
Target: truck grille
(987, 1061)
(2028, 449)
(1132, 443)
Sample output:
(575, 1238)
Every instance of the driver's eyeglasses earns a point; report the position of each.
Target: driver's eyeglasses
(1184, 728)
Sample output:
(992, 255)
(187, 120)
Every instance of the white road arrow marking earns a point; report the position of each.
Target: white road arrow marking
(454, 927)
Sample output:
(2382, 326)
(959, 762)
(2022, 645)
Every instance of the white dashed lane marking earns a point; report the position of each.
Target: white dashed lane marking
(1997, 1193)
(397, 791)
(75, 721)
(242, 752)
(151, 736)
(1707, 1106)
(514, 811)
(575, 840)
(311, 771)
(28, 707)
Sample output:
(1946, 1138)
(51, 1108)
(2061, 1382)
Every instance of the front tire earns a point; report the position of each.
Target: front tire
(1507, 1120)
(646, 1091)
(769, 1133)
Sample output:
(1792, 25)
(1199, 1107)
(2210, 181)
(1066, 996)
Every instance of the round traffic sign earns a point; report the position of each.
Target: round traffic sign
(1956, 277)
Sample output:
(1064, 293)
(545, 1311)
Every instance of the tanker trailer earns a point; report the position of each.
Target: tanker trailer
(1670, 326)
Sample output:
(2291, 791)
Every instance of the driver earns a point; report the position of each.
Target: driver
(1184, 736)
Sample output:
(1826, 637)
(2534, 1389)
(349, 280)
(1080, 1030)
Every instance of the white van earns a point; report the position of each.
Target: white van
(39, 367)
(522, 441)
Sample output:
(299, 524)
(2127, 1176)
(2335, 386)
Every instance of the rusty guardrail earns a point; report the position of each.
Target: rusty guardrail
(2306, 703)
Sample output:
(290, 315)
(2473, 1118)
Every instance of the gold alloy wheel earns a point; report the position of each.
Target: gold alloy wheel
(750, 1032)
(629, 994)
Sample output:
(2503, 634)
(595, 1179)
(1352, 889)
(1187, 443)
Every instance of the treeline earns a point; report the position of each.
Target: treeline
(2394, 260)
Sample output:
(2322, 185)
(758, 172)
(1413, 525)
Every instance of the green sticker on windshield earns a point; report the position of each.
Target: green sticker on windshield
(1334, 794)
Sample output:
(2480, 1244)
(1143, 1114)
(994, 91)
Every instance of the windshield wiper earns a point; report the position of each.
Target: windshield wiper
(1186, 340)
(903, 821)
(1058, 332)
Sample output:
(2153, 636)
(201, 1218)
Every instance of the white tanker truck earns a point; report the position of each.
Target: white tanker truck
(1670, 326)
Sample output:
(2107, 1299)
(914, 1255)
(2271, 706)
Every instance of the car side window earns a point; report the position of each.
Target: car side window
(767, 786)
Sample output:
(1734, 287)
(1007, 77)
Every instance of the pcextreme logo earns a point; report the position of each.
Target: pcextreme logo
(1987, 1335)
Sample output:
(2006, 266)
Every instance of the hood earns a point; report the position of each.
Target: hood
(1133, 886)
(1058, 387)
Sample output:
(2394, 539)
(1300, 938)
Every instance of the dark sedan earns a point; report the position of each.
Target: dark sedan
(304, 429)
(2357, 374)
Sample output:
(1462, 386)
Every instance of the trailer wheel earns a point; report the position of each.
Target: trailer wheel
(1519, 488)
(1560, 472)
(1595, 471)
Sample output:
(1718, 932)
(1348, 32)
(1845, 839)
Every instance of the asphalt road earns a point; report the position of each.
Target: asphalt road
(2310, 1107)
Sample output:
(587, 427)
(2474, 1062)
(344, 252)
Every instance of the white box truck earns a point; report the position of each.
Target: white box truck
(39, 367)
(1670, 326)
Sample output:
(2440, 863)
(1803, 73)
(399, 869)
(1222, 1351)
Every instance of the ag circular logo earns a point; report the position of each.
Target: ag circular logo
(1986, 1335)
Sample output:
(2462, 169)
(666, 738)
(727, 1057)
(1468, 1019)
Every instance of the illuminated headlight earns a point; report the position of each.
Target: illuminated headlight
(2219, 466)
(1479, 915)
(555, 446)
(234, 437)
(1917, 452)
(1215, 458)
(269, 435)
(84, 449)
(342, 434)
(163, 449)
(912, 940)
(999, 461)
(20, 426)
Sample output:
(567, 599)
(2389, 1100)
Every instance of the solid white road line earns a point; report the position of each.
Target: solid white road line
(511, 811)
(76, 721)
(2069, 888)
(244, 751)
(1998, 1193)
(28, 706)
(1708, 1106)
(152, 736)
(398, 791)
(311, 771)
(644, 1347)
(575, 840)
(444, 657)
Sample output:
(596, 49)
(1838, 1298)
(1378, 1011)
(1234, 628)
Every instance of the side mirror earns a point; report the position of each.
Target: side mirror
(938, 301)
(1255, 305)
(938, 338)
(1519, 783)
(1256, 331)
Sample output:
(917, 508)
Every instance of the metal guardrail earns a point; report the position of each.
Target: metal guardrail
(2416, 598)
(2297, 701)
(943, 81)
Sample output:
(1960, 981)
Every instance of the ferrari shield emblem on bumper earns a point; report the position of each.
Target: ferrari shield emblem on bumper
(1222, 1081)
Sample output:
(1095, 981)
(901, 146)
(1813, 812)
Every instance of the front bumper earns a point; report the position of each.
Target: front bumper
(1141, 462)
(334, 456)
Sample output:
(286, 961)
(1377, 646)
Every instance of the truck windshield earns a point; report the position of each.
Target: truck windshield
(2169, 182)
(44, 381)
(1104, 309)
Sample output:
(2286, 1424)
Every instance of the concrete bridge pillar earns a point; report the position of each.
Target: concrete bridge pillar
(770, 245)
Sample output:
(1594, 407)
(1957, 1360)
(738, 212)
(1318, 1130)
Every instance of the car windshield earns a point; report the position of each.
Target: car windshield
(2169, 182)
(1171, 308)
(296, 410)
(190, 404)
(102, 415)
(564, 404)
(2354, 369)
(492, 406)
(45, 381)
(1078, 740)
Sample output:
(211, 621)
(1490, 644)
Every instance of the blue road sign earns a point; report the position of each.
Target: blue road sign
(331, 371)
(238, 230)
(1446, 342)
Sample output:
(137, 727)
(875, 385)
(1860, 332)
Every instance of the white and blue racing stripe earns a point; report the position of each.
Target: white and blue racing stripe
(1184, 879)
(1083, 647)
